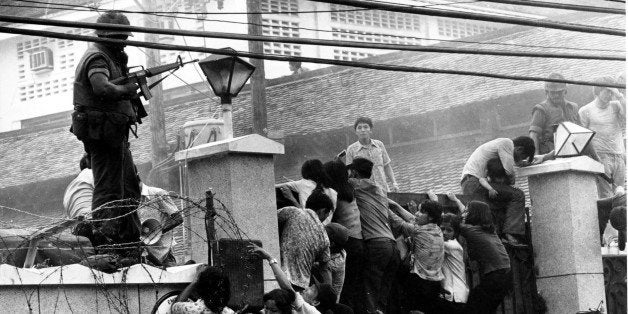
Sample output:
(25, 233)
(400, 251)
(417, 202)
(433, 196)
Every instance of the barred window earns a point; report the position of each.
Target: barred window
(348, 55)
(458, 29)
(353, 35)
(271, 27)
(383, 19)
(26, 45)
(45, 88)
(280, 6)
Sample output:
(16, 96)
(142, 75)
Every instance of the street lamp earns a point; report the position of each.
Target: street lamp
(226, 75)
(571, 139)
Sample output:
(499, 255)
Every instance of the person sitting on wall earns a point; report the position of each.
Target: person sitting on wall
(373, 150)
(213, 290)
(519, 151)
(77, 199)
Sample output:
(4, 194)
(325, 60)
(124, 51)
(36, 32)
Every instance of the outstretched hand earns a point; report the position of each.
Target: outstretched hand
(452, 197)
(257, 250)
(432, 196)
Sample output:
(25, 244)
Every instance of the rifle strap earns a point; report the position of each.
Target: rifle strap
(161, 79)
(132, 130)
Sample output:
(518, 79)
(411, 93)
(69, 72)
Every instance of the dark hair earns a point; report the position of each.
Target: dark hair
(362, 166)
(480, 215)
(363, 120)
(313, 170)
(214, 288)
(326, 297)
(339, 179)
(527, 144)
(318, 199)
(454, 221)
(495, 170)
(85, 162)
(433, 209)
(604, 80)
(283, 299)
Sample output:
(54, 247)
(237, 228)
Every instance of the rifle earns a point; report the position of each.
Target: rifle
(140, 77)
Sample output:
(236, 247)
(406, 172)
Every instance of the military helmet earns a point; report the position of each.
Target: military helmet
(112, 17)
(555, 86)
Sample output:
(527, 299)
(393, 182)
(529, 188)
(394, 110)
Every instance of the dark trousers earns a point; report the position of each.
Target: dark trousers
(422, 294)
(353, 294)
(508, 207)
(382, 262)
(486, 297)
(115, 180)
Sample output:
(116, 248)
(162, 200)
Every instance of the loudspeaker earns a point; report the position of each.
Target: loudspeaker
(245, 271)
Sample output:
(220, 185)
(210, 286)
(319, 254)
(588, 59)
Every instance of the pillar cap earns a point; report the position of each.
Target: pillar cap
(579, 164)
(253, 143)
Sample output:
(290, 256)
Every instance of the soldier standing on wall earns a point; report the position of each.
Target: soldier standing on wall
(103, 115)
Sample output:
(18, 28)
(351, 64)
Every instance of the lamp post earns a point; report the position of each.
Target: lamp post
(226, 75)
(571, 139)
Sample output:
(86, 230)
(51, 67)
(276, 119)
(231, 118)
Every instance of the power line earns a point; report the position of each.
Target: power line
(351, 32)
(563, 6)
(357, 64)
(310, 41)
(478, 17)
(233, 13)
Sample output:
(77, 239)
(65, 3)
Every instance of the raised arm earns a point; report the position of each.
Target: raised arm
(455, 199)
(400, 211)
(280, 276)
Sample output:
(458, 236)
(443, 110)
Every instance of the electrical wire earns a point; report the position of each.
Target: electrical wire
(234, 13)
(478, 17)
(352, 32)
(562, 6)
(357, 64)
(309, 41)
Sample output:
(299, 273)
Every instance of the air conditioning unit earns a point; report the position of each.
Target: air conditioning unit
(41, 59)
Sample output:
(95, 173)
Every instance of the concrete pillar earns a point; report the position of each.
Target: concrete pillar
(565, 234)
(240, 172)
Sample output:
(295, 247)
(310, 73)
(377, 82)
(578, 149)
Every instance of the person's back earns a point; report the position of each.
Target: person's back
(485, 248)
(77, 199)
(303, 241)
(373, 206)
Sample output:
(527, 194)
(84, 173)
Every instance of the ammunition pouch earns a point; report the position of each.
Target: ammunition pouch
(110, 127)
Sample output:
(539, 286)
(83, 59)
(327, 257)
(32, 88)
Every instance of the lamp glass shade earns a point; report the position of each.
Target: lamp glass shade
(571, 139)
(226, 74)
(242, 71)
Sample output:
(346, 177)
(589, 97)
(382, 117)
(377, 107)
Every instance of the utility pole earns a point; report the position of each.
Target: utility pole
(258, 80)
(159, 145)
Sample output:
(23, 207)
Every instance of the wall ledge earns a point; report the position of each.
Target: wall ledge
(76, 274)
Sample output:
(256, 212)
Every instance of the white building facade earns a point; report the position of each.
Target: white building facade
(38, 72)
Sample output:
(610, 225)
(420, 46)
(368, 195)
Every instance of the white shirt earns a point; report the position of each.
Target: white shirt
(77, 199)
(453, 269)
(299, 306)
(607, 124)
(304, 188)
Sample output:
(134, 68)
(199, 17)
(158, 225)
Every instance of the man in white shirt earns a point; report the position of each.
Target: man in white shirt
(373, 150)
(606, 115)
(519, 151)
(77, 199)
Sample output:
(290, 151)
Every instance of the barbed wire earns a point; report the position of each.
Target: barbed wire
(116, 297)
